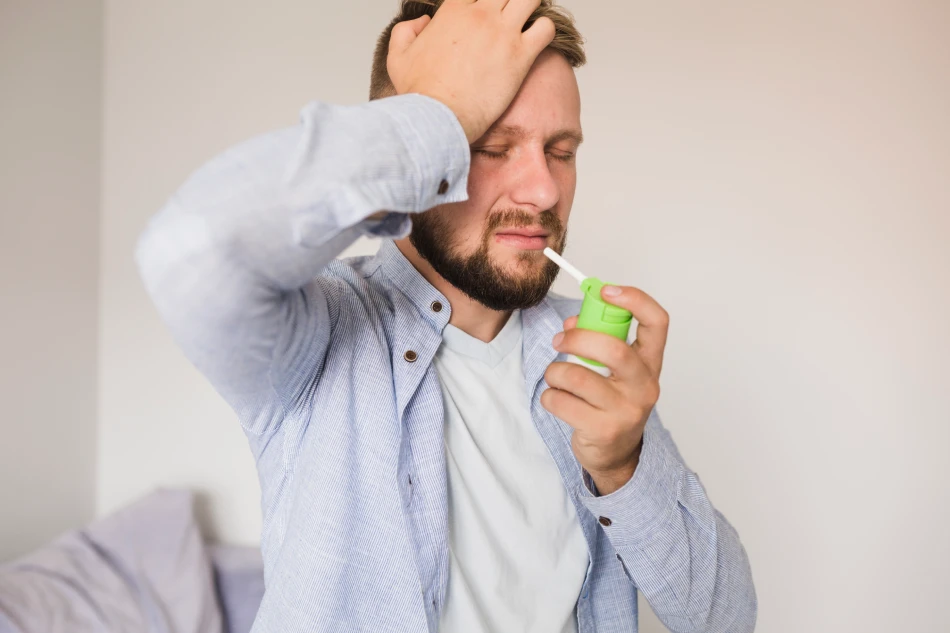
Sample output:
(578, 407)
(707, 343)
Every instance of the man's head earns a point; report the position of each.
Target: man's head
(522, 178)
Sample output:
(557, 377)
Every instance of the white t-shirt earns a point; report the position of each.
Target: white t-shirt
(517, 554)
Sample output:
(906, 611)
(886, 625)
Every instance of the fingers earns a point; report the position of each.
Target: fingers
(519, 11)
(568, 407)
(570, 323)
(405, 33)
(622, 360)
(539, 36)
(587, 385)
(653, 326)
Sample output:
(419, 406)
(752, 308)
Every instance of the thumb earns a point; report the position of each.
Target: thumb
(405, 33)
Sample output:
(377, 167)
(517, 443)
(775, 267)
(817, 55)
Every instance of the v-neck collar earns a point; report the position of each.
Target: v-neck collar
(490, 353)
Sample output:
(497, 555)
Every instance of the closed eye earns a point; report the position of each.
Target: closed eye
(564, 158)
(490, 153)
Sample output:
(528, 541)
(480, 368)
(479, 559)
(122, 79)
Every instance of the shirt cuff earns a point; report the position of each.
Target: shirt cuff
(632, 513)
(436, 142)
(393, 225)
(412, 155)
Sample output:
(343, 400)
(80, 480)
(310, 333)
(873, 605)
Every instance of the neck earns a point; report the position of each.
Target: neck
(467, 314)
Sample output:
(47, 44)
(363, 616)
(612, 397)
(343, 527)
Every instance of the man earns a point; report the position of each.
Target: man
(427, 460)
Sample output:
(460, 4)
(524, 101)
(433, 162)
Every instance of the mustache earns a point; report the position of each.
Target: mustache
(519, 219)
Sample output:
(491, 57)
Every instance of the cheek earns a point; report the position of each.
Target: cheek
(567, 185)
(484, 191)
(463, 223)
(566, 180)
(482, 183)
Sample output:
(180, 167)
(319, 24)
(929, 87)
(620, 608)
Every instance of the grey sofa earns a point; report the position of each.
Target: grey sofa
(142, 569)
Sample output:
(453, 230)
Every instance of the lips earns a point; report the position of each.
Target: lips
(522, 241)
(525, 233)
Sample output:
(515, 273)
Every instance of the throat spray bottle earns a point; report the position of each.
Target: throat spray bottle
(596, 314)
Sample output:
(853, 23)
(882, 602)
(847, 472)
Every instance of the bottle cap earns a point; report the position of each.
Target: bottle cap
(600, 316)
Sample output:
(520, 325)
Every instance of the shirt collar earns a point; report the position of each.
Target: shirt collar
(413, 285)
(540, 323)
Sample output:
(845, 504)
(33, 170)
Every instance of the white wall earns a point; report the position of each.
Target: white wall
(50, 98)
(774, 173)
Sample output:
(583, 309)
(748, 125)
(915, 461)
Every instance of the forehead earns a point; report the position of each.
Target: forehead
(549, 99)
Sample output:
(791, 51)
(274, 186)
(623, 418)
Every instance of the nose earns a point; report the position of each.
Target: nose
(532, 182)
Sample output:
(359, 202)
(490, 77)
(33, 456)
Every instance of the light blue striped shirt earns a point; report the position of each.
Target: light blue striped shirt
(347, 428)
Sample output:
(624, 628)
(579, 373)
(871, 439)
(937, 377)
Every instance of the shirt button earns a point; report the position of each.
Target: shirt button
(410, 356)
(443, 187)
(605, 521)
(436, 306)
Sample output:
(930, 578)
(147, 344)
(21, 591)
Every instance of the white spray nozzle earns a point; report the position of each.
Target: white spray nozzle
(563, 263)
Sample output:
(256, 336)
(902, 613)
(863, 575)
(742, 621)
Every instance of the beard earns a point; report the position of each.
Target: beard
(476, 275)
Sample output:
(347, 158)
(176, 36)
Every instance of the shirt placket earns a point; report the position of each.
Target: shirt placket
(424, 472)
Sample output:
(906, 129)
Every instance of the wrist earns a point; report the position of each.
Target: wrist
(612, 480)
(473, 130)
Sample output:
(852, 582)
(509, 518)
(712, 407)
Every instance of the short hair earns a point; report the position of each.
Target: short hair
(567, 39)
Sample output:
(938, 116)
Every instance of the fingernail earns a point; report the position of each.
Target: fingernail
(558, 338)
(612, 291)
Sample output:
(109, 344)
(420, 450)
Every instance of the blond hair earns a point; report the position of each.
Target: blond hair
(567, 39)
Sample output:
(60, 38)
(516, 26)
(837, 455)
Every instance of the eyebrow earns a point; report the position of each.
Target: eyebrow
(515, 131)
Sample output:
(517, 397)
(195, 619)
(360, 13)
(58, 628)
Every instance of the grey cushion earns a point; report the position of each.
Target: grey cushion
(239, 576)
(142, 569)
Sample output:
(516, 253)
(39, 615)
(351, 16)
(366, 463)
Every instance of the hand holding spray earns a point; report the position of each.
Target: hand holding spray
(596, 314)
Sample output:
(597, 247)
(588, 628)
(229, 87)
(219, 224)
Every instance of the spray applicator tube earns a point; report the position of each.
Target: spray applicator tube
(596, 314)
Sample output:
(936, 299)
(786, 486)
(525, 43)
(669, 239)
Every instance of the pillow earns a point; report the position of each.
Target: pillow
(142, 569)
(239, 577)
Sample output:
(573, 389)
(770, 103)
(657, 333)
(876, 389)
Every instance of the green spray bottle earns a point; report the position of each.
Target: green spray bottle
(596, 314)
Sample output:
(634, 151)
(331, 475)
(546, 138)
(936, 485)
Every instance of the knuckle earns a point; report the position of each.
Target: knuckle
(479, 13)
(581, 377)
(618, 354)
(634, 412)
(612, 433)
(647, 397)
